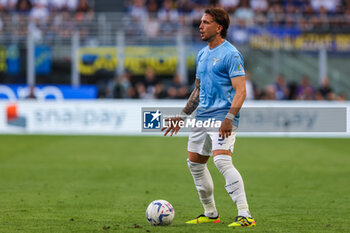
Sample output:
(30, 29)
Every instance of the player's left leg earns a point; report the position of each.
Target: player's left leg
(222, 152)
(199, 149)
(235, 188)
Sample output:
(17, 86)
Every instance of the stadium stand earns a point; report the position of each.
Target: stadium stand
(280, 40)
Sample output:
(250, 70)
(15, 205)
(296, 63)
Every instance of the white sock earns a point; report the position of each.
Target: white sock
(205, 187)
(234, 183)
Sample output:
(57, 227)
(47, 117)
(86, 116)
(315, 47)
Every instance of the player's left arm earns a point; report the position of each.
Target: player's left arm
(238, 83)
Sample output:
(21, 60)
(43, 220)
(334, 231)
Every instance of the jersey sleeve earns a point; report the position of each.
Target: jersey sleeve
(235, 65)
(197, 63)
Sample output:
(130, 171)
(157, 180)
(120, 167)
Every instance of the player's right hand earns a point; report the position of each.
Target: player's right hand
(173, 125)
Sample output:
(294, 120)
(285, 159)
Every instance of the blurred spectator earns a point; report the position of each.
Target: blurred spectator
(57, 5)
(229, 5)
(3, 5)
(83, 11)
(328, 5)
(138, 10)
(249, 86)
(40, 12)
(293, 90)
(305, 90)
(139, 14)
(305, 22)
(152, 7)
(347, 16)
(177, 89)
(290, 15)
(141, 91)
(160, 92)
(341, 97)
(239, 32)
(185, 6)
(318, 96)
(196, 16)
(347, 4)
(72, 5)
(281, 88)
(60, 5)
(66, 26)
(269, 93)
(201, 3)
(168, 27)
(321, 21)
(169, 18)
(275, 15)
(1, 25)
(23, 6)
(153, 26)
(325, 89)
(150, 80)
(7, 5)
(31, 94)
(244, 12)
(168, 12)
(122, 86)
(331, 96)
(298, 4)
(259, 6)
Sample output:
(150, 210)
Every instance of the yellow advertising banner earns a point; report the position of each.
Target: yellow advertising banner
(94, 59)
(3, 66)
(305, 42)
(163, 59)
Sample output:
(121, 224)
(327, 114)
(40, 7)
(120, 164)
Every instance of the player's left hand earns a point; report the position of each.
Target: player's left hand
(225, 129)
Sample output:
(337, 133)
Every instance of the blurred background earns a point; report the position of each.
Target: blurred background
(100, 67)
(146, 49)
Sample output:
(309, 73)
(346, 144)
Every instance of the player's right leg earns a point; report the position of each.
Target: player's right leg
(197, 163)
(204, 185)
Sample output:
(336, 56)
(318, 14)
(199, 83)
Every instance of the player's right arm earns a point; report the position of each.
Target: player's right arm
(193, 100)
(192, 104)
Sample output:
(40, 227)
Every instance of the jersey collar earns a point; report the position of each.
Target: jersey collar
(218, 46)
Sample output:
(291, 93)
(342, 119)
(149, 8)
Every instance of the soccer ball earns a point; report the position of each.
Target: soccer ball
(160, 213)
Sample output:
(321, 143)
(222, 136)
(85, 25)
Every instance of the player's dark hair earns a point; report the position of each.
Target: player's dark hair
(221, 17)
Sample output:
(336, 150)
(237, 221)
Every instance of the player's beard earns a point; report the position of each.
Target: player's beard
(209, 38)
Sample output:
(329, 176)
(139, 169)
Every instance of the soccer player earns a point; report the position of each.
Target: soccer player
(218, 94)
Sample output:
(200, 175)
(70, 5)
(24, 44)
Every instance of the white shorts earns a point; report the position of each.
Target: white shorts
(204, 142)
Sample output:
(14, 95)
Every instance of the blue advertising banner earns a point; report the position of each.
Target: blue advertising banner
(12, 59)
(43, 58)
(45, 92)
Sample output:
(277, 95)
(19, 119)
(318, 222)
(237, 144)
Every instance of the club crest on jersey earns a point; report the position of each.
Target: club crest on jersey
(215, 60)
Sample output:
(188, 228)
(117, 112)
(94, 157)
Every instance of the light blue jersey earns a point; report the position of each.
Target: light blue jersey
(215, 68)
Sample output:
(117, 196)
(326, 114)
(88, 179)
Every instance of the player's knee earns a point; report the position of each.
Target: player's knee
(223, 163)
(195, 167)
(197, 158)
(201, 178)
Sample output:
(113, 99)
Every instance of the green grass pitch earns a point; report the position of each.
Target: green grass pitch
(103, 184)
